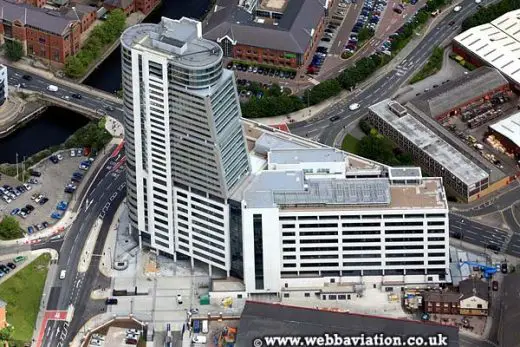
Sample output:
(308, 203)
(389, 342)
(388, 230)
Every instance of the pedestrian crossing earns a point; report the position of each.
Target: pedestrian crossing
(401, 70)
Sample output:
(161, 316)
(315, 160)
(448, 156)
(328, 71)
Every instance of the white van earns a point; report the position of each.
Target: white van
(62, 274)
(205, 326)
(52, 88)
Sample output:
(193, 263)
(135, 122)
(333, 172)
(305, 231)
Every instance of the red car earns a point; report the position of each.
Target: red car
(494, 285)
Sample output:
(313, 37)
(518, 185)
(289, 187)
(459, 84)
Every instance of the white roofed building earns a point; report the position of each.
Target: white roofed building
(495, 44)
(508, 132)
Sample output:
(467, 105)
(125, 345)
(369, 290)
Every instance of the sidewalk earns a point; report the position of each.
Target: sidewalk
(310, 112)
(24, 65)
(110, 256)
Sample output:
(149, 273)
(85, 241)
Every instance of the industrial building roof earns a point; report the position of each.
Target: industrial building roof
(296, 156)
(266, 319)
(433, 296)
(38, 18)
(509, 128)
(292, 33)
(458, 92)
(497, 43)
(416, 132)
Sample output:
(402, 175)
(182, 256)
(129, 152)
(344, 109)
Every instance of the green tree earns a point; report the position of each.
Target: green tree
(74, 67)
(377, 148)
(13, 50)
(6, 333)
(365, 34)
(9, 228)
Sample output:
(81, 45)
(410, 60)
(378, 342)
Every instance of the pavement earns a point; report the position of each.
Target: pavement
(390, 78)
(11, 110)
(91, 98)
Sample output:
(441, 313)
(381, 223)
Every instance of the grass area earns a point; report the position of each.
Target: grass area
(12, 237)
(350, 144)
(23, 292)
(433, 65)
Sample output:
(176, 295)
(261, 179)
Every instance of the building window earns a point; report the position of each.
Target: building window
(285, 295)
(258, 248)
(479, 305)
(342, 297)
(332, 297)
(307, 295)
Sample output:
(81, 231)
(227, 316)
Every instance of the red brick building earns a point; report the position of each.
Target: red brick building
(284, 36)
(85, 14)
(441, 303)
(35, 3)
(131, 6)
(45, 34)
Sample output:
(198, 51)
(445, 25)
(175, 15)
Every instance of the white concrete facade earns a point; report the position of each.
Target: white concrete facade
(4, 89)
(303, 249)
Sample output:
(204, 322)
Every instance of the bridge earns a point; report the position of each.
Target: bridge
(94, 103)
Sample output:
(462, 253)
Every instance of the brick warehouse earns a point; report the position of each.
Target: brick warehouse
(45, 34)
(131, 6)
(283, 33)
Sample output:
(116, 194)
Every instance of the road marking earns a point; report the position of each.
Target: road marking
(57, 331)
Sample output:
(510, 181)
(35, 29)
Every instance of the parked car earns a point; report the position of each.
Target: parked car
(35, 173)
(503, 268)
(111, 301)
(494, 285)
(27, 77)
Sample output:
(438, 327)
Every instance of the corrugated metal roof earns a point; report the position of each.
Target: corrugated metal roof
(510, 128)
(292, 34)
(48, 20)
(459, 92)
(497, 43)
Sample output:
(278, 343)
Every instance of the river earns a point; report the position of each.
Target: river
(51, 128)
(108, 75)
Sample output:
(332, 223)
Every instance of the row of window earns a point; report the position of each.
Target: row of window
(370, 216)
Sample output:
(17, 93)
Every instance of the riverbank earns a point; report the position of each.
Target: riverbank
(17, 111)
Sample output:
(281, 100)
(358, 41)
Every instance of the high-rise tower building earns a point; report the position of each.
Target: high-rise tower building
(185, 147)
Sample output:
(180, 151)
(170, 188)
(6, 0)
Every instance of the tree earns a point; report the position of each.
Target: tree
(9, 228)
(377, 148)
(5, 333)
(13, 50)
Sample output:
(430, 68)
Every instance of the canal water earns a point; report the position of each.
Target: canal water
(51, 128)
(108, 75)
(56, 124)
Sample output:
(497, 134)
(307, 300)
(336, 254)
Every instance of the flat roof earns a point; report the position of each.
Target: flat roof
(509, 128)
(266, 319)
(350, 191)
(296, 156)
(405, 172)
(179, 40)
(424, 138)
(497, 43)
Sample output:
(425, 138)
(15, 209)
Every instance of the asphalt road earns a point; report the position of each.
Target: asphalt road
(476, 233)
(105, 195)
(498, 203)
(325, 131)
(39, 84)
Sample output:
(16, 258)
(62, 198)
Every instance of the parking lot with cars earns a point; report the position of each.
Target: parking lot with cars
(43, 199)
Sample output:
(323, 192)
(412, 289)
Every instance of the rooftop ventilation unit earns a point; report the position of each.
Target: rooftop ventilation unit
(397, 108)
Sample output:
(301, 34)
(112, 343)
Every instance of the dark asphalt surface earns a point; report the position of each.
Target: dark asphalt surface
(476, 233)
(39, 84)
(494, 204)
(104, 197)
(326, 131)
